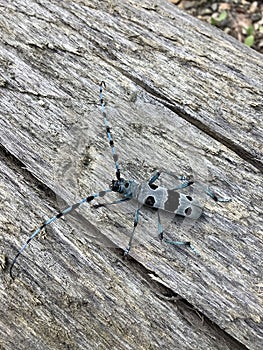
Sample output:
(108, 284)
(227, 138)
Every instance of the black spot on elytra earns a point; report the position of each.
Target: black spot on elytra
(172, 202)
(150, 201)
(153, 186)
(188, 211)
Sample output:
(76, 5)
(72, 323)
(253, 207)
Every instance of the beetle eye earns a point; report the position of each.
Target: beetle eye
(188, 211)
(126, 185)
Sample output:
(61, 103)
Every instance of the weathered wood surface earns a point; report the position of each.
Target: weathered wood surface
(179, 93)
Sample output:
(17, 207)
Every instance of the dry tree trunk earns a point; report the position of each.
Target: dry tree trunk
(181, 96)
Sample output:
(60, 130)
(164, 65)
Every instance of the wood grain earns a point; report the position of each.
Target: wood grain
(180, 95)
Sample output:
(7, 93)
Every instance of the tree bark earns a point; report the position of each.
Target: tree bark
(180, 96)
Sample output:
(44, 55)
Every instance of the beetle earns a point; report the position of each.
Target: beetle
(146, 194)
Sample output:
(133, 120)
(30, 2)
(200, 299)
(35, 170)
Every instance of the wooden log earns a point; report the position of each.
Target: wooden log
(180, 95)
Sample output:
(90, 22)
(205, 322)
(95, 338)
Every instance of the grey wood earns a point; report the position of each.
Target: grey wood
(180, 95)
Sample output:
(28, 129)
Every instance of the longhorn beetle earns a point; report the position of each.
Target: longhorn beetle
(146, 194)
